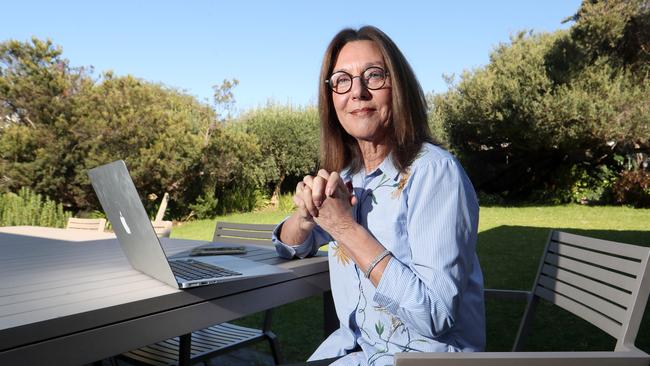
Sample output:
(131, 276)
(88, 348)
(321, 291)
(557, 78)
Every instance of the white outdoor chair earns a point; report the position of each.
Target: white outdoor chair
(162, 228)
(603, 282)
(75, 223)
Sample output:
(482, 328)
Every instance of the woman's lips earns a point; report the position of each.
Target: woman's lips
(362, 111)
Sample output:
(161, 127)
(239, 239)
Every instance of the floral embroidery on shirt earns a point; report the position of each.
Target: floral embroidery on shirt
(384, 181)
(379, 327)
(362, 302)
(384, 336)
(401, 184)
(340, 255)
(395, 322)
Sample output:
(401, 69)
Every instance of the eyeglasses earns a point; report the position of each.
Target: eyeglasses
(373, 78)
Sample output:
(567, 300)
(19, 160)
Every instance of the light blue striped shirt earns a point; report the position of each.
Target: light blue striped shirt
(430, 297)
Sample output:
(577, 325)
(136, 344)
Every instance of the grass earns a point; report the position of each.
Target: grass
(511, 240)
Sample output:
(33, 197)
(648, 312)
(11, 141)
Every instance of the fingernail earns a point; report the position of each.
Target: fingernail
(318, 203)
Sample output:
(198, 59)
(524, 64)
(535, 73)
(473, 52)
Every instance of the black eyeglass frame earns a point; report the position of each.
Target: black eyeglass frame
(363, 81)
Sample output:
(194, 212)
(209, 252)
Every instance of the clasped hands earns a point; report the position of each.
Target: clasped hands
(324, 200)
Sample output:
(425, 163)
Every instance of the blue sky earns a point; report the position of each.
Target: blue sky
(274, 48)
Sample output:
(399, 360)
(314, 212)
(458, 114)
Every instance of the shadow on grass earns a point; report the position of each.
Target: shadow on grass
(509, 258)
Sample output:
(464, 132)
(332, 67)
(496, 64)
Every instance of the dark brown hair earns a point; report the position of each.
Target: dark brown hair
(409, 115)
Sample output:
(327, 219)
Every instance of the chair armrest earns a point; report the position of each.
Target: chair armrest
(628, 358)
(490, 293)
(627, 348)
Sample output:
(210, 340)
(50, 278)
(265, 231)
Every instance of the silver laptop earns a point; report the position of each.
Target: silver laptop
(122, 205)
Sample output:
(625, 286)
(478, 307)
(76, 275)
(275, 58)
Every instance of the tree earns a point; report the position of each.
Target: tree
(231, 174)
(58, 123)
(618, 30)
(550, 110)
(288, 139)
(38, 91)
(37, 84)
(157, 130)
(224, 98)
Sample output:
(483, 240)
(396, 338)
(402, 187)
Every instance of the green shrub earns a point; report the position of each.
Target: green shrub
(205, 206)
(633, 188)
(592, 186)
(241, 199)
(285, 202)
(487, 199)
(29, 208)
(231, 173)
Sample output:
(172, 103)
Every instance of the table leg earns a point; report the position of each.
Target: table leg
(184, 349)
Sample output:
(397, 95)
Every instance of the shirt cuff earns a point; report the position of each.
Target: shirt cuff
(284, 250)
(390, 288)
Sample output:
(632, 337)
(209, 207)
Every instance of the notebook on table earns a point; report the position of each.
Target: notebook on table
(119, 199)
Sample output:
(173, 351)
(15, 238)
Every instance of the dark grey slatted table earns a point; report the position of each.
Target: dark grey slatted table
(64, 302)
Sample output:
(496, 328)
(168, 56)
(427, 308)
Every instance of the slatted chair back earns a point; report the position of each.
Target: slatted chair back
(235, 233)
(603, 282)
(86, 224)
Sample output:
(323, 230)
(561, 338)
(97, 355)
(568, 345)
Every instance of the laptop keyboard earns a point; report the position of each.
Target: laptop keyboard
(191, 270)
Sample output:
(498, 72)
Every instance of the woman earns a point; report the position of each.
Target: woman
(398, 212)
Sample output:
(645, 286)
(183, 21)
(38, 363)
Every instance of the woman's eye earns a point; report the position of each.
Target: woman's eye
(375, 75)
(343, 80)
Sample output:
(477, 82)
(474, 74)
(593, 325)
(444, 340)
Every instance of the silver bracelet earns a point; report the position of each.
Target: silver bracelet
(374, 262)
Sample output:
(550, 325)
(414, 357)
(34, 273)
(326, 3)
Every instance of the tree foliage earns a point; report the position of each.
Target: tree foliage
(158, 131)
(37, 85)
(224, 98)
(56, 122)
(288, 139)
(549, 108)
(559, 116)
(38, 97)
(231, 175)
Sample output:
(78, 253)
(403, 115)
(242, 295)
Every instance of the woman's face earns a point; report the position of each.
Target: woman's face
(364, 114)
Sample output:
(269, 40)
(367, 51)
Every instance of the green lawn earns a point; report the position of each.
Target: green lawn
(510, 243)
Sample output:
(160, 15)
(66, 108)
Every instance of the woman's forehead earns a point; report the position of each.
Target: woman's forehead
(358, 55)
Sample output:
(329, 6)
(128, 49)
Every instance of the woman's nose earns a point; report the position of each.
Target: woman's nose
(359, 90)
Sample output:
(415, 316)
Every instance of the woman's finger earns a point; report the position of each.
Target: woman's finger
(299, 187)
(306, 196)
(323, 173)
(299, 200)
(333, 183)
(318, 190)
(308, 180)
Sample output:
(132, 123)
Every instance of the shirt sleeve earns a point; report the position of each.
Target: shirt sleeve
(308, 248)
(442, 223)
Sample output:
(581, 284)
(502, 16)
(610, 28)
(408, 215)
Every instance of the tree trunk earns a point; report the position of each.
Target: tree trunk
(275, 198)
